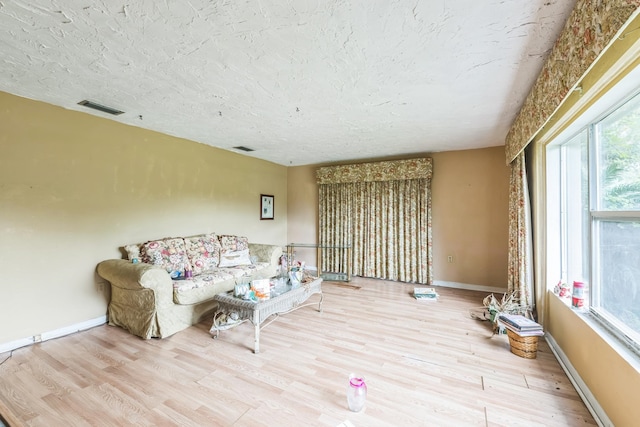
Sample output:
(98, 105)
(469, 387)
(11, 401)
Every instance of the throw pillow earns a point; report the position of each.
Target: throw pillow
(203, 252)
(169, 254)
(133, 252)
(235, 258)
(233, 243)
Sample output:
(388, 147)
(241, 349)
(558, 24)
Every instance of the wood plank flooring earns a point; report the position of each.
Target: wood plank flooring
(425, 363)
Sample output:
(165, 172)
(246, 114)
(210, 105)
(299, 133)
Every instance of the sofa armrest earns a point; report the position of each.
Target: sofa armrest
(141, 298)
(266, 253)
(127, 275)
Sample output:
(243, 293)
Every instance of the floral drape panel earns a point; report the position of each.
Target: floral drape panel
(387, 221)
(520, 272)
(590, 29)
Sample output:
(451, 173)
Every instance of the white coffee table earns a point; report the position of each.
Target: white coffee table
(258, 312)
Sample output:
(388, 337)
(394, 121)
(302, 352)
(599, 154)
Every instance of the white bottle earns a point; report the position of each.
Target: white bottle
(356, 393)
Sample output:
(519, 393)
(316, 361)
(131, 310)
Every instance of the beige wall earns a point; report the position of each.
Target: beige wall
(612, 379)
(74, 188)
(302, 211)
(470, 215)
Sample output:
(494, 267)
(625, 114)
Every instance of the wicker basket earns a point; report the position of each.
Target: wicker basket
(526, 347)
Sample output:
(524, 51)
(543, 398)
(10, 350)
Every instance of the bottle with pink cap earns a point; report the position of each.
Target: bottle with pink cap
(356, 393)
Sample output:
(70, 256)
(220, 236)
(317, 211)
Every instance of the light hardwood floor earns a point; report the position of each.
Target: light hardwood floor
(425, 364)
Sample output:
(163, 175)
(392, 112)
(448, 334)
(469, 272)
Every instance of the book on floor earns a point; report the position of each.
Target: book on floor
(425, 294)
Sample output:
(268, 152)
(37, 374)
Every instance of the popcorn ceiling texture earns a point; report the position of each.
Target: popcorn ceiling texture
(301, 82)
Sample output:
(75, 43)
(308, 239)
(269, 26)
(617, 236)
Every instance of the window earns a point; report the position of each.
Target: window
(593, 182)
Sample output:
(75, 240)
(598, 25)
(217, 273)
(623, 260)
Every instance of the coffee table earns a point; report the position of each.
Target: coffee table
(258, 312)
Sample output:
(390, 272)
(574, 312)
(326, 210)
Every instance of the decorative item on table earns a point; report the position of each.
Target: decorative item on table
(295, 277)
(242, 287)
(284, 263)
(296, 273)
(278, 286)
(222, 320)
(262, 288)
(356, 393)
(425, 294)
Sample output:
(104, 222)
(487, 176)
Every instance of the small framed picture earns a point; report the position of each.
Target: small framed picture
(266, 206)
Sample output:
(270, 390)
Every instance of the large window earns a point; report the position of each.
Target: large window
(596, 205)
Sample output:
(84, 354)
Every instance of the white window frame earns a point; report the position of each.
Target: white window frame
(557, 206)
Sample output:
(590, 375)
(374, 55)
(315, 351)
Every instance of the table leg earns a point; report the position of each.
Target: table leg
(256, 333)
(256, 339)
(215, 324)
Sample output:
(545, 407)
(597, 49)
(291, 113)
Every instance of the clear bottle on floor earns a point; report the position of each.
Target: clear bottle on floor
(356, 393)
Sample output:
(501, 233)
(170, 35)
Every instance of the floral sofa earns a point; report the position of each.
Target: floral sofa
(167, 285)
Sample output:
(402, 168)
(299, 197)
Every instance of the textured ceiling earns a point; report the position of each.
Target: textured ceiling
(299, 81)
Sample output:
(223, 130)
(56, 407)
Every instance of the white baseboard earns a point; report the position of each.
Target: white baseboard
(67, 330)
(458, 285)
(583, 391)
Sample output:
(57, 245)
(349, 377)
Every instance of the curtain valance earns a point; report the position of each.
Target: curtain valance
(378, 171)
(591, 27)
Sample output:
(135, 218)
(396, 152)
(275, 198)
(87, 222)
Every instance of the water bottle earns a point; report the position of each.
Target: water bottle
(356, 393)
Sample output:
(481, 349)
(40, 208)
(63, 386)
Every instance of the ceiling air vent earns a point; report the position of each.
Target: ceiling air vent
(241, 148)
(99, 107)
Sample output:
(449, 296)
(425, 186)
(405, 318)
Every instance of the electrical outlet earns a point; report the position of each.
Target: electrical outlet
(450, 259)
(37, 338)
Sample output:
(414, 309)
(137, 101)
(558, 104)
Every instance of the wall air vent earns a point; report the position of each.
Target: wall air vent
(241, 148)
(99, 107)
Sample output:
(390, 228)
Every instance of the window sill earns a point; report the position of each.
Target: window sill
(611, 339)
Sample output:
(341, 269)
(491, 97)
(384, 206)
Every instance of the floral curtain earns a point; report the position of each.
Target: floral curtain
(520, 272)
(383, 211)
(591, 27)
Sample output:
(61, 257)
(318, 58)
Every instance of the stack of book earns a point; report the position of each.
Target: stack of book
(521, 325)
(425, 294)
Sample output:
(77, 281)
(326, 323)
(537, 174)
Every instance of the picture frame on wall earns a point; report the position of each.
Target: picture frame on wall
(266, 206)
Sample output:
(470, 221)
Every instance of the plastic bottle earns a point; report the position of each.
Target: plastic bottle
(577, 297)
(356, 393)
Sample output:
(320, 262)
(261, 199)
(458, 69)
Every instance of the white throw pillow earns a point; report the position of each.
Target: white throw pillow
(233, 259)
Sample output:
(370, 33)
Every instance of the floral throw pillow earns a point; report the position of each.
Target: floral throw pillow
(203, 252)
(233, 243)
(169, 254)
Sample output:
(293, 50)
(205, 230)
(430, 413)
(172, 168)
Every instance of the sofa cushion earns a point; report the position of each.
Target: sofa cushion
(203, 252)
(205, 286)
(202, 287)
(246, 270)
(231, 243)
(234, 258)
(167, 253)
